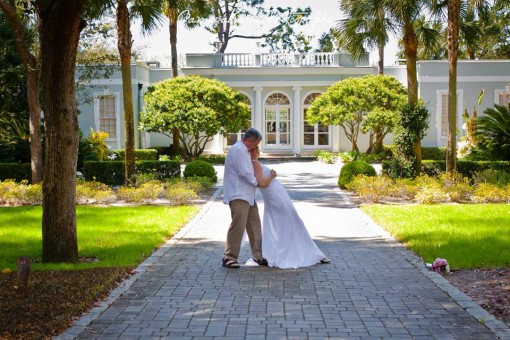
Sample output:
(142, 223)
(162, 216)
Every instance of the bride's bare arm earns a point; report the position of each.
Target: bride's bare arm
(263, 181)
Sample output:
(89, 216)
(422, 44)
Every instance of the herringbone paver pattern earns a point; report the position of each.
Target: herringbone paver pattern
(374, 289)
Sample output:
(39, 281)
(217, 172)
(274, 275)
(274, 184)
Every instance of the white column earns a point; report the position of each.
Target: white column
(258, 115)
(297, 120)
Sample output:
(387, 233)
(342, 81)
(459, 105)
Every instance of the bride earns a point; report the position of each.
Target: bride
(286, 242)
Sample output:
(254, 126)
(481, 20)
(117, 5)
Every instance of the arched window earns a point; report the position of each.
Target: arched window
(313, 134)
(277, 121)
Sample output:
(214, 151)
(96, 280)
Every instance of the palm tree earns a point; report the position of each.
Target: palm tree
(453, 50)
(32, 69)
(149, 12)
(173, 9)
(493, 134)
(366, 27)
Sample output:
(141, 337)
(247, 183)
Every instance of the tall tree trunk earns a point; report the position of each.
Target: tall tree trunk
(411, 51)
(381, 58)
(172, 27)
(453, 48)
(124, 45)
(59, 33)
(31, 65)
(36, 159)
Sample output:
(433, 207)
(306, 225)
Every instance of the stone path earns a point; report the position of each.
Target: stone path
(374, 289)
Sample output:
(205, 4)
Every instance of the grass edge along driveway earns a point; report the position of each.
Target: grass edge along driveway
(469, 236)
(107, 236)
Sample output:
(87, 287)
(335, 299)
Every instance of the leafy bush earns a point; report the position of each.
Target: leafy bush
(92, 148)
(326, 156)
(348, 156)
(200, 168)
(87, 192)
(15, 171)
(412, 127)
(352, 169)
(370, 188)
(180, 196)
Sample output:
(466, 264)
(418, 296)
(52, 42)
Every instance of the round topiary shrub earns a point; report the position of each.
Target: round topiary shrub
(352, 169)
(200, 169)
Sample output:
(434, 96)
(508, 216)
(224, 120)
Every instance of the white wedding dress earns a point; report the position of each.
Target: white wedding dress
(286, 242)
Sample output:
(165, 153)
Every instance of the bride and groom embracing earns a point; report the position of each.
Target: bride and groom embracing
(285, 242)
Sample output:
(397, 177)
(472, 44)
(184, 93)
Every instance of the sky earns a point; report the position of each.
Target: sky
(325, 14)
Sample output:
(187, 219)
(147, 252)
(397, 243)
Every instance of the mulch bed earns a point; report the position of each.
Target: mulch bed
(489, 288)
(51, 300)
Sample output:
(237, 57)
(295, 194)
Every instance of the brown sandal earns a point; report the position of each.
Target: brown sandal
(229, 263)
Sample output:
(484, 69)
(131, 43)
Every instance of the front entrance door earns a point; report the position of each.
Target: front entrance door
(277, 123)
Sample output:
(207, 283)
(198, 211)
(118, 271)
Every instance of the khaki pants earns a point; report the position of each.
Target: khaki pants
(244, 217)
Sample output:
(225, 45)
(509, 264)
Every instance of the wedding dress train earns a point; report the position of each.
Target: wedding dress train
(286, 242)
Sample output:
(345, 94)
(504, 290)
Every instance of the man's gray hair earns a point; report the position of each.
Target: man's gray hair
(252, 134)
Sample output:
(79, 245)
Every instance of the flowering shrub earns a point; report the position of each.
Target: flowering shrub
(146, 192)
(370, 188)
(432, 195)
(404, 187)
(92, 191)
(457, 187)
(27, 194)
(180, 196)
(5, 188)
(490, 193)
(20, 193)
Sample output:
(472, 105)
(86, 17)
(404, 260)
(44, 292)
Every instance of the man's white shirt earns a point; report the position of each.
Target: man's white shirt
(239, 180)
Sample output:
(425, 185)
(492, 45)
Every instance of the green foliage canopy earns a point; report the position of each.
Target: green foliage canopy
(198, 107)
(369, 103)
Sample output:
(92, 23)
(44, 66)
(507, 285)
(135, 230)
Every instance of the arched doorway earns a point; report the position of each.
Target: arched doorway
(277, 122)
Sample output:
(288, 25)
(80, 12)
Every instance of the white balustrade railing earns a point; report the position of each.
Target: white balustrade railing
(233, 60)
(238, 60)
(318, 59)
(277, 59)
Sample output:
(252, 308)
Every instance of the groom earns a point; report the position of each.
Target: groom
(239, 186)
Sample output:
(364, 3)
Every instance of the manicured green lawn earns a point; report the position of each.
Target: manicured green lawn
(117, 236)
(467, 235)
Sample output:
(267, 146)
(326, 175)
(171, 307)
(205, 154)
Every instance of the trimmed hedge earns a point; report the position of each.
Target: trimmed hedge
(15, 171)
(352, 169)
(200, 168)
(112, 172)
(213, 159)
(464, 167)
(433, 153)
(140, 154)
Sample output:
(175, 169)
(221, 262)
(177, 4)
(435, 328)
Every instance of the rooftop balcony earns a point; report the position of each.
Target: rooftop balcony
(271, 60)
